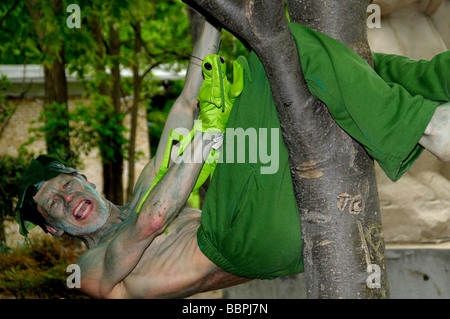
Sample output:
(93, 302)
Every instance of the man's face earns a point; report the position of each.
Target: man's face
(69, 203)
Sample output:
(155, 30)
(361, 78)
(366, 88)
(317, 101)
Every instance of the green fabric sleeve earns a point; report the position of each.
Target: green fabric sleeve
(428, 78)
(384, 117)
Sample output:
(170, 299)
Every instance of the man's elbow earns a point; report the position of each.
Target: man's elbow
(157, 224)
(95, 289)
(152, 226)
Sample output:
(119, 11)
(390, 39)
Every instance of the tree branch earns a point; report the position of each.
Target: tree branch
(9, 11)
(151, 67)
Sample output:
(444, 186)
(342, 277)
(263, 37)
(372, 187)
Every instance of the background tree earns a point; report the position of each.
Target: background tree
(150, 50)
(47, 18)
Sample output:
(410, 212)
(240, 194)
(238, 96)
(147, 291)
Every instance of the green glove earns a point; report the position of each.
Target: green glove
(207, 169)
(217, 94)
(216, 98)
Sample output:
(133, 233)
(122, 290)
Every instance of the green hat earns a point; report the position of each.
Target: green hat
(41, 169)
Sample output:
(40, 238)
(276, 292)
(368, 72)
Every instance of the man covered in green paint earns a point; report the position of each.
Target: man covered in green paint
(155, 247)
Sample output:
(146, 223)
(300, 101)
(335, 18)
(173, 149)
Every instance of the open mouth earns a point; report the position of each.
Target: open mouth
(83, 209)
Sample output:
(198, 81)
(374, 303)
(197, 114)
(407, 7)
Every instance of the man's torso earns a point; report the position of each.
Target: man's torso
(173, 265)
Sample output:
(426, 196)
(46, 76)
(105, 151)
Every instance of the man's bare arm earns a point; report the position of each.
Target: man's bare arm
(172, 192)
(181, 114)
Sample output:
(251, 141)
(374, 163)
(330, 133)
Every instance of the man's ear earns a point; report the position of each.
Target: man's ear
(90, 183)
(85, 178)
(54, 232)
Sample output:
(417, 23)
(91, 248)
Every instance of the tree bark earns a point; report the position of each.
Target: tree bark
(333, 177)
(342, 250)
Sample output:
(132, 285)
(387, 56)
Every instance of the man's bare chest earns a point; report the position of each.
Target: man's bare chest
(172, 266)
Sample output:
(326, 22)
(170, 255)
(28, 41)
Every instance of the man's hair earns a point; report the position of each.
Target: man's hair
(41, 169)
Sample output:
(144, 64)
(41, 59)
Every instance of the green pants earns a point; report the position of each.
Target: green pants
(250, 222)
(386, 109)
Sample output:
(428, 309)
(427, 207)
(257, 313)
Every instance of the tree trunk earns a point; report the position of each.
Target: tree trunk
(333, 177)
(343, 244)
(55, 88)
(96, 30)
(55, 83)
(2, 230)
(134, 109)
(113, 166)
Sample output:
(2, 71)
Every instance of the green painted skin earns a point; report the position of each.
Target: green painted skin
(216, 98)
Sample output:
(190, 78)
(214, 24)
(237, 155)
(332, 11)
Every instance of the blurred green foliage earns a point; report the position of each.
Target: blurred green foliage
(38, 269)
(166, 43)
(12, 168)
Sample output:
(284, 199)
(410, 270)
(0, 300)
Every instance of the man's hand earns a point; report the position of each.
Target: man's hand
(436, 137)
